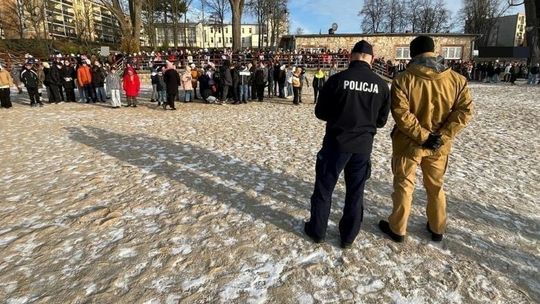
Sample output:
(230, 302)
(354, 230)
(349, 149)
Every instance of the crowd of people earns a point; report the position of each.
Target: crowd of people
(215, 76)
(482, 71)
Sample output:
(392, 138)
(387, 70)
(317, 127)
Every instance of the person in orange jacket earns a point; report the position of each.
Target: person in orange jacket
(84, 78)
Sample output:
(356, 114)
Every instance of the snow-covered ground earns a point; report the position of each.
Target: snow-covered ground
(206, 204)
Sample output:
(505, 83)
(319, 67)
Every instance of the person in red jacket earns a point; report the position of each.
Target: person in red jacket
(132, 86)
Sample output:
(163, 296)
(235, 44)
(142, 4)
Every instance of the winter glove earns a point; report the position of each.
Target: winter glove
(434, 142)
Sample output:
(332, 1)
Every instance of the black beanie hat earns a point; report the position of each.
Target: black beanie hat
(421, 44)
(363, 47)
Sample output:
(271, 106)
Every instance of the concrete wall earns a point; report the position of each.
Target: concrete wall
(383, 45)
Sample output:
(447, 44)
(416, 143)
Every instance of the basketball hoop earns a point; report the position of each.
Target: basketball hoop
(515, 2)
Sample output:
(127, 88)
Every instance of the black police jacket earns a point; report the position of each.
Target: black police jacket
(354, 103)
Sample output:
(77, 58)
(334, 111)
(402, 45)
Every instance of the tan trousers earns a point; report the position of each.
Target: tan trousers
(404, 169)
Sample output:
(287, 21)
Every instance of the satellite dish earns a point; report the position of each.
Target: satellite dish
(334, 26)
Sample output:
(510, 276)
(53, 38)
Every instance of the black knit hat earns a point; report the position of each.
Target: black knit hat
(421, 44)
(363, 47)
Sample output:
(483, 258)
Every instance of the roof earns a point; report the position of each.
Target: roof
(383, 35)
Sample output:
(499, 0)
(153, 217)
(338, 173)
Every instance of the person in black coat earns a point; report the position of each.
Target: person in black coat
(98, 82)
(281, 80)
(69, 74)
(253, 88)
(54, 80)
(259, 80)
(30, 79)
(172, 81)
(226, 80)
(277, 72)
(270, 80)
(236, 83)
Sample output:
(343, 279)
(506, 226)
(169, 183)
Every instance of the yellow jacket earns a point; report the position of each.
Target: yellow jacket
(5, 79)
(428, 98)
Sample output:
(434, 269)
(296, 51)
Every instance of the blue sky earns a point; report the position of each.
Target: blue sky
(315, 15)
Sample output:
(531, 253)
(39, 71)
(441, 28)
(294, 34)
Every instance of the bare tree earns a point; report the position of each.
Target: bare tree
(373, 13)
(280, 16)
(218, 9)
(36, 10)
(432, 16)
(532, 15)
(12, 19)
(187, 4)
(395, 20)
(150, 17)
(260, 9)
(237, 8)
(299, 31)
(129, 20)
(82, 20)
(480, 17)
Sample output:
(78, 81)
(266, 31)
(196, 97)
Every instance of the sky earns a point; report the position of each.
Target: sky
(318, 15)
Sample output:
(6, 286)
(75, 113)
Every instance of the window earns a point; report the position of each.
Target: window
(243, 30)
(219, 30)
(226, 30)
(451, 52)
(250, 30)
(402, 53)
(211, 40)
(211, 31)
(219, 40)
(230, 39)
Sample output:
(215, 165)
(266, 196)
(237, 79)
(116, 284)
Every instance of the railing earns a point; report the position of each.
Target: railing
(324, 61)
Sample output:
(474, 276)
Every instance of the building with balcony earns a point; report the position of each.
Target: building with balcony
(65, 19)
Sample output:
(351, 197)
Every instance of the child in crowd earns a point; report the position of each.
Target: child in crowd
(161, 88)
(113, 84)
(132, 86)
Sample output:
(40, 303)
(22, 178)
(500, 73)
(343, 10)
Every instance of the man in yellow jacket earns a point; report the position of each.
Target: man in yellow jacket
(430, 104)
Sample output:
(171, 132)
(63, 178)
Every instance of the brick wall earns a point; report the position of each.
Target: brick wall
(384, 46)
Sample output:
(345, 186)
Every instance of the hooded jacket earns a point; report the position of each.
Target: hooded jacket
(131, 84)
(428, 98)
(5, 79)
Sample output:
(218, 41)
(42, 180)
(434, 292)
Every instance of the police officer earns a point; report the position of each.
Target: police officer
(354, 103)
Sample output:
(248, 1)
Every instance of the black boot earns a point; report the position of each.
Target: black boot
(308, 232)
(385, 227)
(434, 236)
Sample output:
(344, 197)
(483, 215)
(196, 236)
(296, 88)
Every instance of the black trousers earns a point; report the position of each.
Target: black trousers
(70, 93)
(33, 94)
(253, 92)
(5, 101)
(281, 89)
(171, 98)
(61, 92)
(316, 93)
(297, 95)
(329, 165)
(225, 92)
(260, 92)
(55, 93)
(271, 88)
(90, 93)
